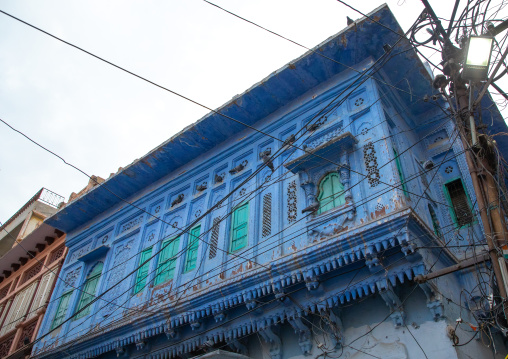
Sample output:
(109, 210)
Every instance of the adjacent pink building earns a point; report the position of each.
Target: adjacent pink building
(31, 254)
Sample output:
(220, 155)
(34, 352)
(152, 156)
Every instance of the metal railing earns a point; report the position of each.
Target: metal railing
(50, 197)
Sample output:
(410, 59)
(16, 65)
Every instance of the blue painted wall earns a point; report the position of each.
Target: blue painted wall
(298, 269)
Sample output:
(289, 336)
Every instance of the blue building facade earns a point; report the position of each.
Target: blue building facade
(290, 223)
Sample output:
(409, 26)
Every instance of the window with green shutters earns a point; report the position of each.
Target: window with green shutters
(142, 273)
(331, 193)
(88, 291)
(192, 249)
(167, 260)
(61, 310)
(401, 174)
(460, 204)
(239, 227)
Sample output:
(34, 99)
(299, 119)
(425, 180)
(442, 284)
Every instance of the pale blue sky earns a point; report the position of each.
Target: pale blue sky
(99, 118)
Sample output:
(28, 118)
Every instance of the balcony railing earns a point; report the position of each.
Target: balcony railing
(50, 197)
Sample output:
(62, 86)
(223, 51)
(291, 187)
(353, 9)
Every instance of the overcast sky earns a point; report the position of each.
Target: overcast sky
(99, 118)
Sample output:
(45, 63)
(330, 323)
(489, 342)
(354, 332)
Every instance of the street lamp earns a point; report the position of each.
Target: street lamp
(476, 66)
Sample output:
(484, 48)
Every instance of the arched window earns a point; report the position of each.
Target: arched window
(331, 193)
(88, 290)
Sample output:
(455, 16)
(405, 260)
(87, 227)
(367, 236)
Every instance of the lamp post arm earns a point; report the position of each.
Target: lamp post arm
(500, 28)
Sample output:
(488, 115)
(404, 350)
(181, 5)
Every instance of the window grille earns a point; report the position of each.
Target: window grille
(215, 238)
(32, 272)
(292, 202)
(370, 159)
(5, 346)
(43, 292)
(57, 254)
(3, 292)
(27, 332)
(460, 203)
(267, 215)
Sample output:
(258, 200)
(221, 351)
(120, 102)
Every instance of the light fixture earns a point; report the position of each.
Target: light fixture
(479, 50)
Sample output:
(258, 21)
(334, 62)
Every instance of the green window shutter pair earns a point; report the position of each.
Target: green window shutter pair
(88, 291)
(61, 310)
(239, 228)
(142, 273)
(401, 174)
(192, 249)
(331, 193)
(459, 202)
(167, 260)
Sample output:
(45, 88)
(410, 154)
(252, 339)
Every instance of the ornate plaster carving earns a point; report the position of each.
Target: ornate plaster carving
(333, 228)
(72, 277)
(273, 340)
(178, 200)
(122, 253)
(434, 302)
(265, 157)
(304, 335)
(239, 168)
(393, 302)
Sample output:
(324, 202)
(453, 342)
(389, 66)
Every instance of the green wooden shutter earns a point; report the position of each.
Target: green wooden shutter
(435, 221)
(61, 310)
(192, 249)
(239, 229)
(88, 291)
(142, 273)
(401, 174)
(331, 193)
(167, 260)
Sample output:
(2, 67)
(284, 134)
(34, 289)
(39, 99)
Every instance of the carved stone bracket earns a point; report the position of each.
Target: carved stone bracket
(274, 341)
(237, 347)
(195, 325)
(279, 293)
(434, 302)
(344, 171)
(140, 344)
(408, 247)
(372, 261)
(218, 313)
(170, 332)
(337, 329)
(120, 352)
(393, 302)
(304, 335)
(311, 280)
(311, 202)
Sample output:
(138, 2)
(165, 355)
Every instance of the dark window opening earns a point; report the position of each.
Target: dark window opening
(460, 203)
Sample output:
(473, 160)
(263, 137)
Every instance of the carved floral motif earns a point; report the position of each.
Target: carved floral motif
(132, 224)
(116, 276)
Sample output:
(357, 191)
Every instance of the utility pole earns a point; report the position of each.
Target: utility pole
(482, 173)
